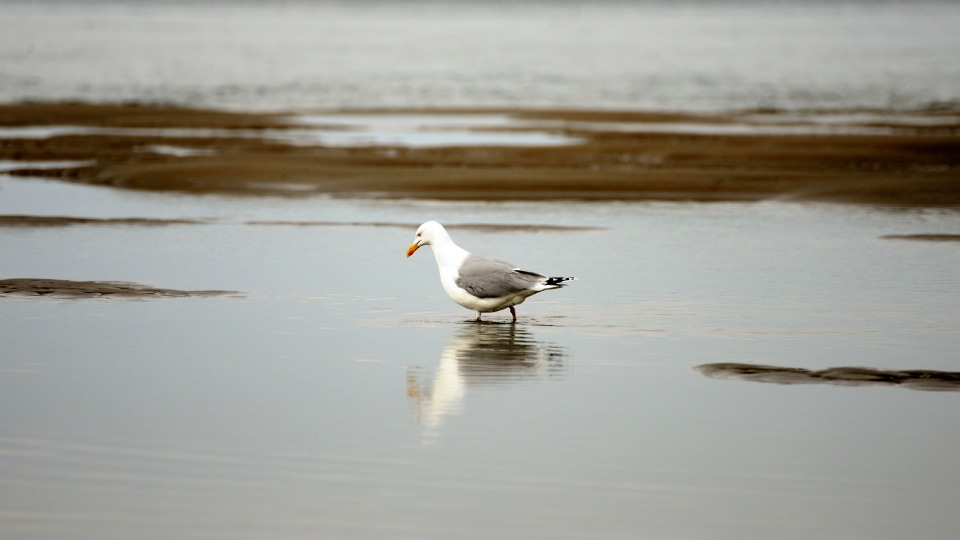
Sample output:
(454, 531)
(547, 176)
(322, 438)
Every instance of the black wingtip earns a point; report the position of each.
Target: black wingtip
(558, 281)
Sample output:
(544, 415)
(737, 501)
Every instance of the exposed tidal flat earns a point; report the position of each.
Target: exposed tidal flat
(866, 157)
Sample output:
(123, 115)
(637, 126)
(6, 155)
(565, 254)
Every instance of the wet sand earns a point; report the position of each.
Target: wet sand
(914, 165)
(66, 221)
(924, 237)
(60, 288)
(914, 379)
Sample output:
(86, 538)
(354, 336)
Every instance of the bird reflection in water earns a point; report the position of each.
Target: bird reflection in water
(480, 355)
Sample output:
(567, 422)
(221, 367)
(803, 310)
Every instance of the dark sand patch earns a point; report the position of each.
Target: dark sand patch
(59, 288)
(924, 237)
(915, 379)
(921, 168)
(129, 115)
(66, 221)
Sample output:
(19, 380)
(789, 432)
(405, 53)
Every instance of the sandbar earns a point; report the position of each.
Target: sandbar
(914, 379)
(925, 237)
(905, 166)
(61, 288)
(13, 220)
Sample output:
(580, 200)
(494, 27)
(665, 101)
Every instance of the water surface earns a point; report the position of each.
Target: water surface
(344, 395)
(685, 55)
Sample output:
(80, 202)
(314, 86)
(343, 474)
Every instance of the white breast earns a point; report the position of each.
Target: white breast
(448, 278)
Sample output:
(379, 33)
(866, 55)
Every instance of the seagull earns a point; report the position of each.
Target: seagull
(478, 283)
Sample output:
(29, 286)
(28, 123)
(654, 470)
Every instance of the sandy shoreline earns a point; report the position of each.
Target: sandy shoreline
(911, 165)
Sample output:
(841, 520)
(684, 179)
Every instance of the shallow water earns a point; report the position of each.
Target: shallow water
(344, 395)
(418, 131)
(685, 55)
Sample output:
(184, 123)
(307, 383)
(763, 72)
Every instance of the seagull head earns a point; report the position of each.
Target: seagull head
(427, 234)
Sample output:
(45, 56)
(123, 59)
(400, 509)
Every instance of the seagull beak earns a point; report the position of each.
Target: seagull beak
(413, 247)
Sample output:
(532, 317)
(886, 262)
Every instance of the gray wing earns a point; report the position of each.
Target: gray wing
(493, 278)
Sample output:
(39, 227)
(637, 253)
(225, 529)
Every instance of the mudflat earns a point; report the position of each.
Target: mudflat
(610, 155)
(924, 237)
(66, 221)
(61, 288)
(914, 379)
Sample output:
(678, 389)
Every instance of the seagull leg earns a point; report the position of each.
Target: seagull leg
(514, 313)
(478, 316)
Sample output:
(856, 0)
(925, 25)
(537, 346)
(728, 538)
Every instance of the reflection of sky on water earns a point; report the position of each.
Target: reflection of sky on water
(435, 130)
(286, 412)
(479, 355)
(418, 133)
(634, 55)
(10, 165)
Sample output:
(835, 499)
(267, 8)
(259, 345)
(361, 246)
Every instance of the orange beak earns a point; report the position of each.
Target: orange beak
(413, 247)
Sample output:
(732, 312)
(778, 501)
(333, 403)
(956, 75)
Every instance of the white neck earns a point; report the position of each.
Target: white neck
(448, 254)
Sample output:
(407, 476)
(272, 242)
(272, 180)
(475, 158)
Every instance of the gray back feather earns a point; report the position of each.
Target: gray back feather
(493, 278)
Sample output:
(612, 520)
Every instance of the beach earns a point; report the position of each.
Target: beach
(882, 159)
(211, 325)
